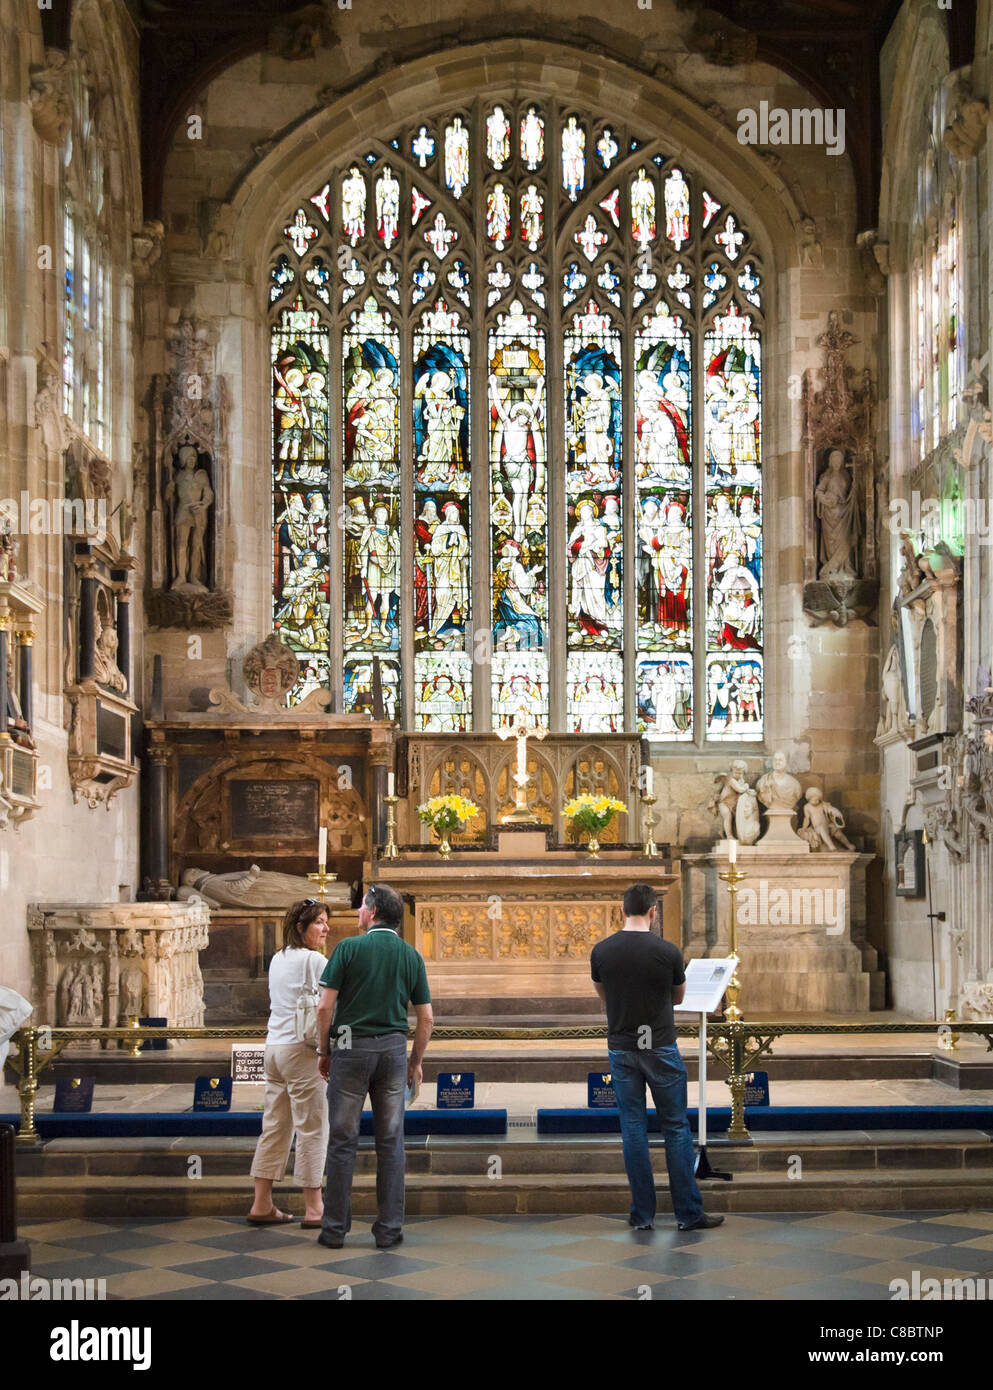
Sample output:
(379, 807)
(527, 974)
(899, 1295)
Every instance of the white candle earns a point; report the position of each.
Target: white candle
(732, 851)
(522, 753)
(649, 779)
(390, 782)
(322, 847)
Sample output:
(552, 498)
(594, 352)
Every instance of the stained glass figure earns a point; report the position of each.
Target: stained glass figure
(609, 280)
(322, 201)
(457, 157)
(419, 204)
(532, 140)
(299, 395)
(442, 693)
(318, 274)
(592, 403)
(679, 282)
(68, 323)
(423, 281)
(532, 215)
(643, 209)
(715, 281)
(281, 275)
(573, 158)
(664, 691)
(458, 278)
(590, 238)
(677, 208)
(730, 238)
(749, 281)
(646, 281)
(734, 698)
(422, 147)
(518, 503)
(607, 148)
(359, 682)
(595, 692)
(315, 674)
(732, 396)
(497, 138)
(300, 232)
(520, 683)
(711, 207)
(389, 278)
(499, 281)
(498, 216)
(611, 206)
(354, 278)
(532, 280)
(574, 282)
(353, 195)
(440, 236)
(387, 206)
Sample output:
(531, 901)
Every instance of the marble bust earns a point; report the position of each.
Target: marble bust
(778, 789)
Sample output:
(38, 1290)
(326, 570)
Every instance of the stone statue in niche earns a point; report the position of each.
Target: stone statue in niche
(82, 995)
(8, 552)
(191, 495)
(823, 824)
(105, 668)
(253, 887)
(736, 805)
(835, 503)
(132, 984)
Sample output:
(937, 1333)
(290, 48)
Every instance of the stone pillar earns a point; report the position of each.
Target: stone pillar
(25, 638)
(87, 625)
(158, 806)
(124, 635)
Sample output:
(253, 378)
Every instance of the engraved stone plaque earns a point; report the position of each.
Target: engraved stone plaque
(287, 808)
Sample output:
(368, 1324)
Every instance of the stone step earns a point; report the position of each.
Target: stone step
(963, 1151)
(911, 1189)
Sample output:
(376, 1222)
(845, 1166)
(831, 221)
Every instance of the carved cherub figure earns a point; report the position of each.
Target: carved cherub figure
(823, 824)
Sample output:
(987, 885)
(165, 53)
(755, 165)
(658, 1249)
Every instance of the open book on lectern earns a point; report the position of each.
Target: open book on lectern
(706, 981)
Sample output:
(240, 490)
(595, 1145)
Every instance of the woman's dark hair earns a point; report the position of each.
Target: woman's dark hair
(298, 918)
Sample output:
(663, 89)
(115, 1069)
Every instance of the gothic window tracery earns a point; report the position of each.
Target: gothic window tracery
(516, 387)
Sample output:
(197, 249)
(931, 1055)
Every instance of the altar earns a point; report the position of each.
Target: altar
(515, 924)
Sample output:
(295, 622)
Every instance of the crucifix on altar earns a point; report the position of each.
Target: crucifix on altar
(519, 730)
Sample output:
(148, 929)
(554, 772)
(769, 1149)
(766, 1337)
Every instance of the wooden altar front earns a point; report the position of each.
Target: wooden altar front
(518, 922)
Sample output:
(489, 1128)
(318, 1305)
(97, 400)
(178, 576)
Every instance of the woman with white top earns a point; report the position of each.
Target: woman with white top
(294, 1091)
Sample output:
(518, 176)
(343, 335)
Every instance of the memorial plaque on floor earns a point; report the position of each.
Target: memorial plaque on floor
(74, 1095)
(248, 1063)
(600, 1093)
(154, 1044)
(757, 1088)
(456, 1090)
(212, 1093)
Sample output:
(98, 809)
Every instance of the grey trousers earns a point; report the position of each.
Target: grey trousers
(376, 1067)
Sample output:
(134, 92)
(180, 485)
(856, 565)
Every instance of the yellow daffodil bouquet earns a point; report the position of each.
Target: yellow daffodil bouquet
(592, 813)
(445, 814)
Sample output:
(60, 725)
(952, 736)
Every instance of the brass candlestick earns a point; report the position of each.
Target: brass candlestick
(389, 850)
(322, 878)
(648, 817)
(732, 876)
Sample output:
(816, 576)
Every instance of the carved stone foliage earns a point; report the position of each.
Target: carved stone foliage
(188, 410)
(840, 560)
(98, 965)
(523, 929)
(969, 116)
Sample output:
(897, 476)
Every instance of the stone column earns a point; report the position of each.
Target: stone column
(87, 625)
(25, 638)
(124, 634)
(158, 803)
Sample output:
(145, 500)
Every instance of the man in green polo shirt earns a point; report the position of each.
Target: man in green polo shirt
(366, 987)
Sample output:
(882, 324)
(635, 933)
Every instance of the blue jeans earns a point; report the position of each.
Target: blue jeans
(663, 1069)
(377, 1067)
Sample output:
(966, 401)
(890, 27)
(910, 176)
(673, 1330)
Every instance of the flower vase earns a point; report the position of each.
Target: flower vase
(444, 848)
(593, 845)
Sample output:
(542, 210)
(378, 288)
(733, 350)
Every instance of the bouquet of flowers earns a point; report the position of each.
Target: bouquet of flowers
(445, 814)
(592, 814)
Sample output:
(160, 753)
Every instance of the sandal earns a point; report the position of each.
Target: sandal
(275, 1218)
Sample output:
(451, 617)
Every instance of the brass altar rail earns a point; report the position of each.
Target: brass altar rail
(735, 1044)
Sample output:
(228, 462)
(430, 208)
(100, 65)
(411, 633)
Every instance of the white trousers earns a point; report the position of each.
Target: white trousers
(295, 1100)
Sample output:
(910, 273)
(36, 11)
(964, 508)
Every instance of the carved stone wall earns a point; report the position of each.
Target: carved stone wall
(96, 964)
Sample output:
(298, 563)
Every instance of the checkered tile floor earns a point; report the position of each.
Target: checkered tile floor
(841, 1255)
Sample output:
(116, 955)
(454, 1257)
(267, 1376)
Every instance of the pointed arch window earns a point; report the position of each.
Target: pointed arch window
(517, 396)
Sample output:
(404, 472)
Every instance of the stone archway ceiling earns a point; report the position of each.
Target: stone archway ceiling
(831, 46)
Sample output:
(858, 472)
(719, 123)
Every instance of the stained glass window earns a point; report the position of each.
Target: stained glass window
(620, 589)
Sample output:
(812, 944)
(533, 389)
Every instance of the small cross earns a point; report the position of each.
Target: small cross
(300, 233)
(730, 238)
(423, 147)
(590, 238)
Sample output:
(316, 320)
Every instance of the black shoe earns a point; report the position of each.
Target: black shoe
(330, 1242)
(706, 1223)
(389, 1244)
(648, 1227)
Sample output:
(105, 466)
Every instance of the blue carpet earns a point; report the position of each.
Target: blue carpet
(237, 1124)
(792, 1117)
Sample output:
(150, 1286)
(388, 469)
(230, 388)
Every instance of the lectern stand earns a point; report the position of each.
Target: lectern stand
(706, 981)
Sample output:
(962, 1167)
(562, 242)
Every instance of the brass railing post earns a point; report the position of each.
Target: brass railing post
(737, 1129)
(27, 1086)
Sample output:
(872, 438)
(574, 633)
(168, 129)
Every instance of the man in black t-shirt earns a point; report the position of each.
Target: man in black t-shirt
(639, 976)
